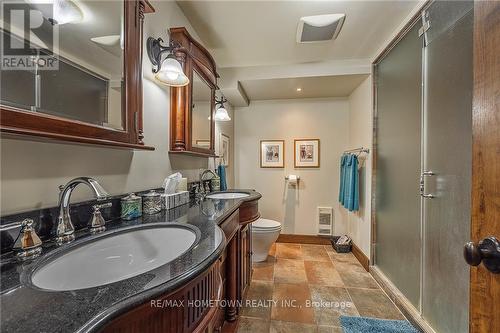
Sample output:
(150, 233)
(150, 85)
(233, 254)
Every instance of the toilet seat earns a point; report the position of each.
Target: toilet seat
(265, 225)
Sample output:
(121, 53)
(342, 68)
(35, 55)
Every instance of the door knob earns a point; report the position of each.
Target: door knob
(487, 252)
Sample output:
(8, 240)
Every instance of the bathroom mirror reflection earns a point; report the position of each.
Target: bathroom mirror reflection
(87, 85)
(201, 112)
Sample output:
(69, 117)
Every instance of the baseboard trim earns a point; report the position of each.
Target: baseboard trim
(304, 239)
(404, 305)
(362, 258)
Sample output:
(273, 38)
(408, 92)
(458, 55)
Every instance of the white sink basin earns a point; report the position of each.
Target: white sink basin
(228, 195)
(114, 258)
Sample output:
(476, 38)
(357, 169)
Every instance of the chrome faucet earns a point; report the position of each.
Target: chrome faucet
(205, 190)
(65, 231)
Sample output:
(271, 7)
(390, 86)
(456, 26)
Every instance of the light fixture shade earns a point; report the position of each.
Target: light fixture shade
(66, 11)
(171, 73)
(222, 115)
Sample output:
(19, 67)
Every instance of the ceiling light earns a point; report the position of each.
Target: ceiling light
(221, 112)
(168, 71)
(299, 89)
(66, 11)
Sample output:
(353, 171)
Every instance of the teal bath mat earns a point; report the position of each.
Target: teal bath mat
(372, 325)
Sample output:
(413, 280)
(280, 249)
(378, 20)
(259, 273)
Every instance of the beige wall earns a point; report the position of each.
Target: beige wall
(326, 119)
(361, 135)
(31, 171)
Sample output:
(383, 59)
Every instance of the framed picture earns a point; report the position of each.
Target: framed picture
(272, 153)
(306, 153)
(203, 143)
(224, 149)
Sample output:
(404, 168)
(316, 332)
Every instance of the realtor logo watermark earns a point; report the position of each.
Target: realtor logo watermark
(29, 40)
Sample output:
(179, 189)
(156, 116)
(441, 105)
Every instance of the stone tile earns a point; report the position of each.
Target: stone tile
(289, 327)
(374, 303)
(257, 302)
(322, 273)
(253, 325)
(330, 329)
(289, 271)
(288, 251)
(263, 271)
(314, 252)
(342, 257)
(355, 276)
(272, 251)
(329, 303)
(291, 300)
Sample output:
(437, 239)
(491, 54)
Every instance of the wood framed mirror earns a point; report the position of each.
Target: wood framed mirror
(192, 107)
(93, 95)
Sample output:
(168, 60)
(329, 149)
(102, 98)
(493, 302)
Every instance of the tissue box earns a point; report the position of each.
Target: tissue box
(176, 199)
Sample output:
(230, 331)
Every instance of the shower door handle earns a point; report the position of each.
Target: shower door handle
(422, 184)
(487, 252)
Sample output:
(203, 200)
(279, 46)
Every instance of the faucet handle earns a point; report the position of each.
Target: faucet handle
(28, 245)
(97, 223)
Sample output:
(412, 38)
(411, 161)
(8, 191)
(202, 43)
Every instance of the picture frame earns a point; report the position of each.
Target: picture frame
(272, 153)
(224, 149)
(306, 153)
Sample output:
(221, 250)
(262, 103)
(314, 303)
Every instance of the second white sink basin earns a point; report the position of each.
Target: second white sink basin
(114, 258)
(228, 195)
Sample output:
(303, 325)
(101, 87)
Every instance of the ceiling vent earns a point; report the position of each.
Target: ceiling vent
(319, 28)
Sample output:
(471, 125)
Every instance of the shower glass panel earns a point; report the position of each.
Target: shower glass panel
(447, 159)
(398, 228)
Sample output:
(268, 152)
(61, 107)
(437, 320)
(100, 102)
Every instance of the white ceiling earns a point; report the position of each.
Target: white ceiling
(257, 33)
(311, 87)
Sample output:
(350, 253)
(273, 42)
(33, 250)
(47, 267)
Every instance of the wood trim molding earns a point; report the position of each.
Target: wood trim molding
(194, 59)
(304, 239)
(362, 258)
(403, 304)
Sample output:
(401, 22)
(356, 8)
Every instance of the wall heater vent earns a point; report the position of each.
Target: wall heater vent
(325, 221)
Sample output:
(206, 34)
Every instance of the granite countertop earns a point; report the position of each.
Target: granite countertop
(29, 309)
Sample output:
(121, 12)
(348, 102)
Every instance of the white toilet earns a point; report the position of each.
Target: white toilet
(264, 234)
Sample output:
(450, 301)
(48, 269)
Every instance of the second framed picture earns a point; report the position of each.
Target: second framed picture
(306, 153)
(272, 153)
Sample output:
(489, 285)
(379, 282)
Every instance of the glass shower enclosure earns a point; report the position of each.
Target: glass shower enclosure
(424, 157)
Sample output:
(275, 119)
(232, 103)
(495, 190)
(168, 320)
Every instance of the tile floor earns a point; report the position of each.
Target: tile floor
(306, 288)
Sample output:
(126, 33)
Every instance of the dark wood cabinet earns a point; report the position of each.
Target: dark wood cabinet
(176, 319)
(225, 281)
(245, 259)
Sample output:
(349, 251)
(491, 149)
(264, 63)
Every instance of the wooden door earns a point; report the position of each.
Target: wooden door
(485, 285)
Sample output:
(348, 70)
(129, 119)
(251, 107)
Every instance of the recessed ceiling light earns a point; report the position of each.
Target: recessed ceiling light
(299, 89)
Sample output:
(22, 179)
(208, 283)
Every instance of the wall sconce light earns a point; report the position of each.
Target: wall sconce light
(169, 71)
(220, 111)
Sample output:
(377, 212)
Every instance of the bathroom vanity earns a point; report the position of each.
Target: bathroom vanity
(196, 291)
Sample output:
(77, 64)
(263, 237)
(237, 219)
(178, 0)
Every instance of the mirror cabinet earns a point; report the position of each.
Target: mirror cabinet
(192, 124)
(93, 93)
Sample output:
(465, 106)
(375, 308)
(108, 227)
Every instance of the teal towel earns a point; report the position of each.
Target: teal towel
(343, 160)
(221, 170)
(351, 183)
